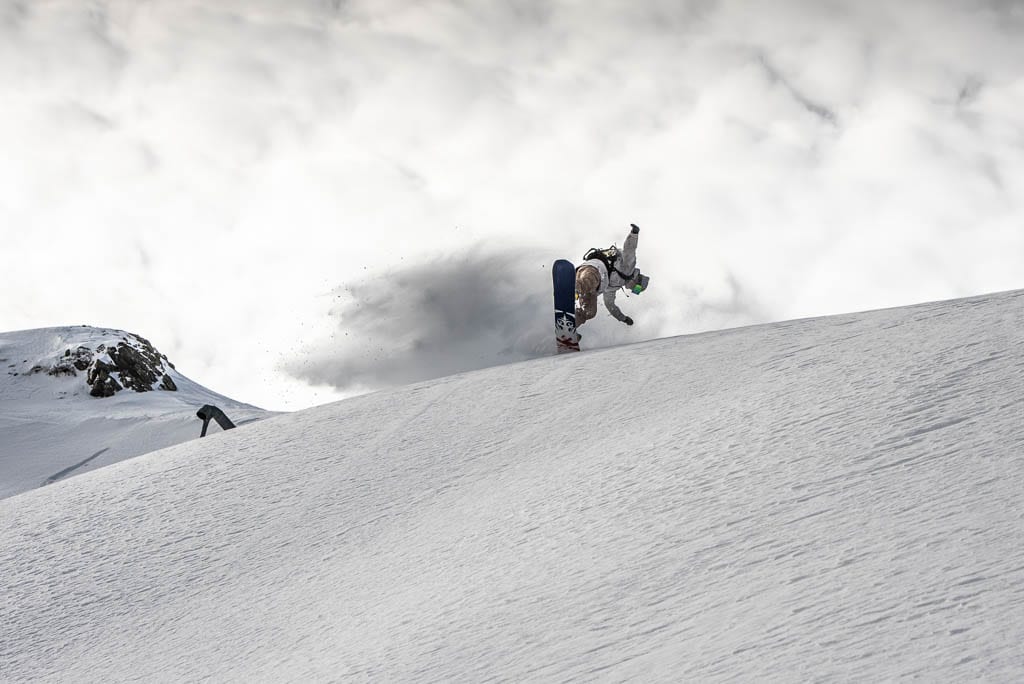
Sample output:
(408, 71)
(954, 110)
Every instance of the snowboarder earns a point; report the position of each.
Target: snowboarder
(605, 271)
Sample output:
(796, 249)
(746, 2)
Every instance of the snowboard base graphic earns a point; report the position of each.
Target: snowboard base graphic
(563, 277)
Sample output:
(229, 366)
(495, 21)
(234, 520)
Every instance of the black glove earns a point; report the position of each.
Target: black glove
(627, 320)
(636, 229)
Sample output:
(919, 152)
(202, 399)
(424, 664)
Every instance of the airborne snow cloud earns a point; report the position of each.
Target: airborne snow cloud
(430, 319)
(209, 172)
(477, 308)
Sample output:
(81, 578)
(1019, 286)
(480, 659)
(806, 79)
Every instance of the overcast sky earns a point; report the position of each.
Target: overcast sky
(300, 200)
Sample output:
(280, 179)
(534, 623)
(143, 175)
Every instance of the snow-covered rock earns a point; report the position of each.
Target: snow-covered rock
(77, 398)
(835, 499)
(112, 365)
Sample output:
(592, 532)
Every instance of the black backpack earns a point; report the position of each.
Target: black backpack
(607, 256)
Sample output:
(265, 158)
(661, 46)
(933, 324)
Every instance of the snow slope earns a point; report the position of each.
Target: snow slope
(51, 428)
(836, 498)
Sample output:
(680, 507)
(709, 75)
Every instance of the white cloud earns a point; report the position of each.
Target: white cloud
(797, 159)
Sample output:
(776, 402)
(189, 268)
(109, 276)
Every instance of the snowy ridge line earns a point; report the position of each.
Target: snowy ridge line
(53, 409)
(833, 498)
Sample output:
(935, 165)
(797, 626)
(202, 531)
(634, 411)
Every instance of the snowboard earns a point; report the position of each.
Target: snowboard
(563, 278)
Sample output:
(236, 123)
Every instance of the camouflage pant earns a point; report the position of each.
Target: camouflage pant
(587, 282)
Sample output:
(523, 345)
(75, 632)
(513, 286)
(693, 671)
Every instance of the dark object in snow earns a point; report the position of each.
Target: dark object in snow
(133, 364)
(130, 363)
(210, 412)
(138, 364)
(103, 384)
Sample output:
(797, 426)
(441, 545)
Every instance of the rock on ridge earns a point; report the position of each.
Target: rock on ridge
(130, 363)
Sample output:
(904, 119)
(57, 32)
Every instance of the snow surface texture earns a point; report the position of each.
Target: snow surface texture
(834, 498)
(51, 428)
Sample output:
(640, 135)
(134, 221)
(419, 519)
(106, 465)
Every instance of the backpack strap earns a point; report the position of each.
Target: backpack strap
(609, 263)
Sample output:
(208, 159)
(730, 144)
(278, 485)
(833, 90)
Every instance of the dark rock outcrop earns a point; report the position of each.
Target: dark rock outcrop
(139, 368)
(71, 362)
(129, 363)
(82, 358)
(99, 378)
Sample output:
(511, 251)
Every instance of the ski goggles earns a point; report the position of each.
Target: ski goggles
(641, 284)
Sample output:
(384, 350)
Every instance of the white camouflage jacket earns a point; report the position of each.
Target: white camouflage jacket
(612, 282)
